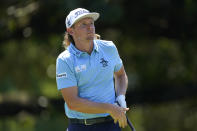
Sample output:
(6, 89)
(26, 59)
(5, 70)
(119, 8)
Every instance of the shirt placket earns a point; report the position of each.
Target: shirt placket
(92, 59)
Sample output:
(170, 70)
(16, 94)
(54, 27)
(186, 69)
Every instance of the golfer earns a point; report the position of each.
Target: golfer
(85, 74)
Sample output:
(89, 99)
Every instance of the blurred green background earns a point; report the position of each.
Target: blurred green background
(156, 41)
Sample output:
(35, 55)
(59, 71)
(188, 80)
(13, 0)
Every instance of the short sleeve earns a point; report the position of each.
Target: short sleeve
(65, 77)
(118, 60)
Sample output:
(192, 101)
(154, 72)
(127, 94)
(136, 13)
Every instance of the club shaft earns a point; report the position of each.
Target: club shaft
(130, 124)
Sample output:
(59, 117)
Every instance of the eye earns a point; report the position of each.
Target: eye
(84, 24)
(92, 23)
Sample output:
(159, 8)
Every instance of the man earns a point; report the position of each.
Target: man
(84, 74)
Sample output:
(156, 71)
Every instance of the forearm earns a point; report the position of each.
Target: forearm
(86, 106)
(121, 84)
(74, 102)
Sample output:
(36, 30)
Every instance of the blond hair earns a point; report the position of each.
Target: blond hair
(69, 39)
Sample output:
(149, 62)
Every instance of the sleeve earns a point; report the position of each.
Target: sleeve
(118, 60)
(65, 77)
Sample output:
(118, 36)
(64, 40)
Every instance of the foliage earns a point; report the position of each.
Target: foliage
(156, 41)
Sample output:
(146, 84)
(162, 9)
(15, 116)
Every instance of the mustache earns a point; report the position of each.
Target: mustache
(90, 32)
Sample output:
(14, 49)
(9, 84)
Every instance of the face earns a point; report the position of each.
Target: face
(83, 30)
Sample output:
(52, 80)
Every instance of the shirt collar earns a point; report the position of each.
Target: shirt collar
(96, 46)
(72, 49)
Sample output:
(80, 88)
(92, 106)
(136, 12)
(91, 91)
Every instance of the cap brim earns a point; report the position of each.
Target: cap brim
(93, 15)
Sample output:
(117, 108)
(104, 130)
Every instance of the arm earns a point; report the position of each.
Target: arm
(121, 82)
(76, 103)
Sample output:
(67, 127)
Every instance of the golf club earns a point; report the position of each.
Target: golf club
(128, 121)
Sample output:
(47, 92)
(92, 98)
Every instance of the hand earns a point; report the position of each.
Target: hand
(121, 101)
(118, 114)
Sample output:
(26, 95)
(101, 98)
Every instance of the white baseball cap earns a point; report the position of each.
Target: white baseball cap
(78, 14)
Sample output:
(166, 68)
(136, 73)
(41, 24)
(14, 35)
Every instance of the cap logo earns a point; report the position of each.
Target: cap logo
(69, 23)
(80, 12)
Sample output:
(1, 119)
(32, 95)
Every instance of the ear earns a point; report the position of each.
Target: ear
(70, 31)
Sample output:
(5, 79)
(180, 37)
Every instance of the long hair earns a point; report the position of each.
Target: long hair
(69, 39)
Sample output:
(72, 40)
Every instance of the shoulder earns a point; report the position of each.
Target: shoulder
(65, 56)
(105, 45)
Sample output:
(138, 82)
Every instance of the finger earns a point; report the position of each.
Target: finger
(121, 121)
(125, 121)
(115, 121)
(125, 109)
(120, 124)
(123, 124)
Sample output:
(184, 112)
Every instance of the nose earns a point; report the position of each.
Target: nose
(90, 26)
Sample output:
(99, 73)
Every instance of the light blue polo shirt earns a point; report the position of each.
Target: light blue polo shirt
(92, 74)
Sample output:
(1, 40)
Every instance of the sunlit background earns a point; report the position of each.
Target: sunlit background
(156, 40)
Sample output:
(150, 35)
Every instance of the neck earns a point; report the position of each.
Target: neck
(84, 46)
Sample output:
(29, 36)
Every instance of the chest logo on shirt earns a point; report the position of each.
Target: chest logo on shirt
(80, 68)
(104, 62)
